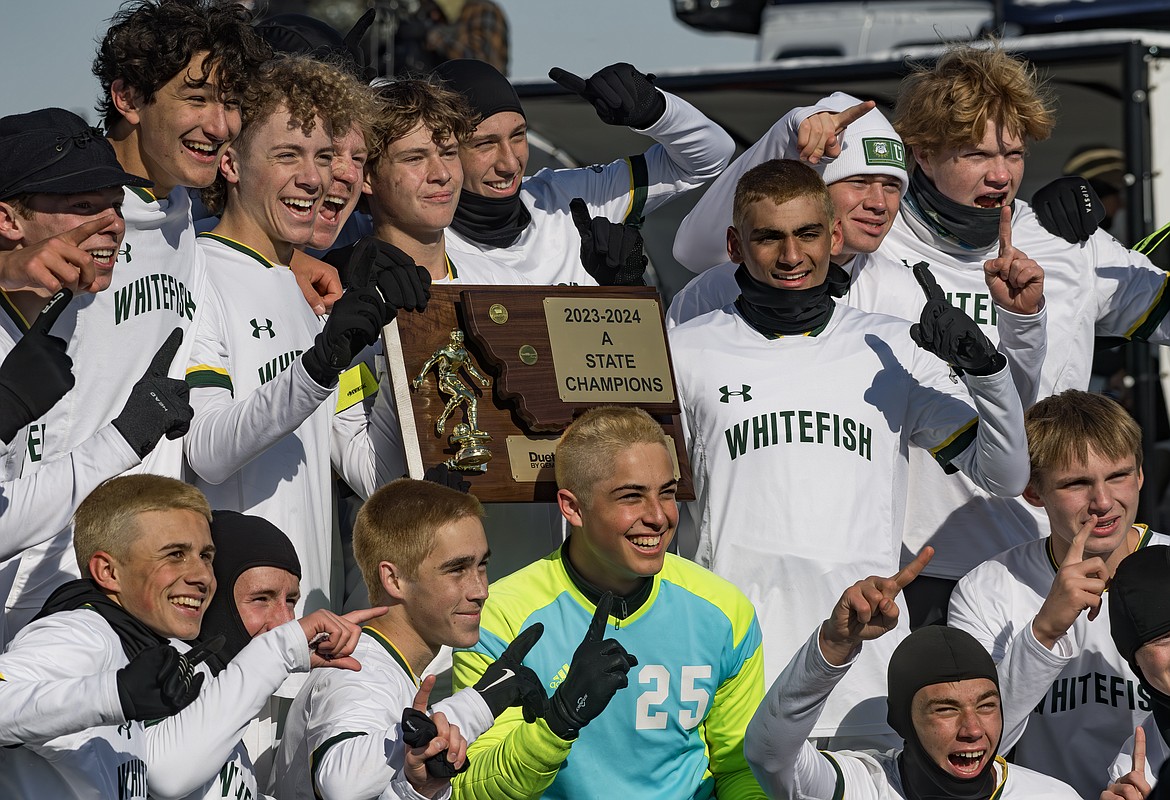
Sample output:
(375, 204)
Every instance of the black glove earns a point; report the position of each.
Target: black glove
(354, 324)
(950, 334)
(1069, 208)
(417, 731)
(157, 405)
(507, 682)
(37, 372)
(610, 251)
(403, 283)
(620, 94)
(159, 682)
(597, 671)
(445, 476)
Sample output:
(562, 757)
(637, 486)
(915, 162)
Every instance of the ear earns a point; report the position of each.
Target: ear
(105, 572)
(571, 508)
(1032, 495)
(11, 224)
(367, 186)
(390, 576)
(734, 250)
(837, 237)
(127, 100)
(229, 165)
(1141, 477)
(922, 158)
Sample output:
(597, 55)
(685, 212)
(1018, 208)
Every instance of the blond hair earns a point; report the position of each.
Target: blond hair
(106, 519)
(950, 104)
(1065, 428)
(779, 180)
(398, 524)
(307, 88)
(588, 447)
(405, 103)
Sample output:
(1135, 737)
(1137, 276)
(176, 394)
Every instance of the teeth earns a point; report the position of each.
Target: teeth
(646, 541)
(101, 253)
(973, 756)
(202, 147)
(190, 602)
(333, 199)
(501, 185)
(298, 202)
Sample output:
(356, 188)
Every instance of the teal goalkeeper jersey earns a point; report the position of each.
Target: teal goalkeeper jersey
(676, 730)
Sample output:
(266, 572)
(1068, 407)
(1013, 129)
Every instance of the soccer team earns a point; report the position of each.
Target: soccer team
(881, 366)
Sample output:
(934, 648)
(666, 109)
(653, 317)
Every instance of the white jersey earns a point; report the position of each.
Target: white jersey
(1083, 686)
(93, 752)
(798, 447)
(1157, 751)
(1096, 289)
(480, 268)
(158, 285)
(691, 150)
(343, 736)
(264, 433)
(877, 289)
(787, 765)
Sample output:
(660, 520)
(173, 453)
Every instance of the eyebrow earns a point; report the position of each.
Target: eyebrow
(462, 561)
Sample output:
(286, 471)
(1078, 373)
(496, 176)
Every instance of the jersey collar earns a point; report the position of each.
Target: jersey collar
(1143, 540)
(238, 247)
(389, 647)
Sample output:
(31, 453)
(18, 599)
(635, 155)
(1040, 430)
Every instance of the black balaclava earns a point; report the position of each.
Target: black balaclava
(1139, 612)
(241, 542)
(969, 227)
(492, 221)
(930, 655)
(788, 312)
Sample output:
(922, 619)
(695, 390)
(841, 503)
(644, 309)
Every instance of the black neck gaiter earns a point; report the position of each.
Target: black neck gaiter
(788, 312)
(133, 633)
(922, 779)
(623, 605)
(491, 221)
(969, 227)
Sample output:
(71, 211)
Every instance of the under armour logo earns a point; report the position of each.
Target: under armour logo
(126, 253)
(257, 327)
(742, 394)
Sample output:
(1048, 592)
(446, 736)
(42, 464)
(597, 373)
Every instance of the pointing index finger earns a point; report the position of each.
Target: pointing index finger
(1005, 230)
(1139, 750)
(1076, 550)
(423, 696)
(854, 113)
(597, 625)
(51, 312)
(926, 280)
(574, 83)
(908, 573)
(528, 637)
(160, 365)
(88, 228)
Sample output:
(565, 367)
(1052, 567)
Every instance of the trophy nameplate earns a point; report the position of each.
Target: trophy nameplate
(487, 378)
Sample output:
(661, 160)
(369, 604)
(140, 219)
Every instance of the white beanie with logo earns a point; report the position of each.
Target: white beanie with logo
(869, 146)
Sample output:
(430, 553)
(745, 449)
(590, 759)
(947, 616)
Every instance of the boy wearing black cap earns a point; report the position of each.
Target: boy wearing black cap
(61, 192)
(528, 224)
(1060, 667)
(943, 701)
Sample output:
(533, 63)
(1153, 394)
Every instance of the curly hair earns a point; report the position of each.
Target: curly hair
(951, 104)
(308, 89)
(149, 42)
(403, 103)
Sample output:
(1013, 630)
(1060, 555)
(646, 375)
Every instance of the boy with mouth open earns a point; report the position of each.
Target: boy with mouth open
(659, 708)
(1060, 670)
(944, 702)
(270, 421)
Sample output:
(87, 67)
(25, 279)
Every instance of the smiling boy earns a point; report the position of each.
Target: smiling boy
(679, 698)
(1027, 605)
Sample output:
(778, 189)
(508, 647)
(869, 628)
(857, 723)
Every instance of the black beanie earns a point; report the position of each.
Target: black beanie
(241, 542)
(484, 86)
(304, 35)
(1139, 600)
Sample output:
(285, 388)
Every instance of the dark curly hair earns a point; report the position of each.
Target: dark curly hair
(150, 41)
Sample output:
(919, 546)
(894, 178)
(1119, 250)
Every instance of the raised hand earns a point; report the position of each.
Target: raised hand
(820, 134)
(1079, 584)
(402, 283)
(159, 682)
(1069, 208)
(867, 610)
(437, 750)
(319, 282)
(949, 333)
(157, 405)
(598, 670)
(355, 323)
(1016, 282)
(36, 373)
(507, 682)
(610, 251)
(56, 263)
(620, 94)
(332, 638)
(1133, 785)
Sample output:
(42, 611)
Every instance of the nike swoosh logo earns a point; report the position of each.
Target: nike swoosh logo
(507, 675)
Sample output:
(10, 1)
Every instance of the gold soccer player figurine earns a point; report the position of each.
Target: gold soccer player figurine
(448, 361)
